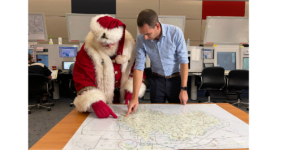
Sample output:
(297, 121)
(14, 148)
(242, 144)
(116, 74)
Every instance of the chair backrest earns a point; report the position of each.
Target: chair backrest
(37, 84)
(72, 85)
(212, 78)
(148, 73)
(238, 79)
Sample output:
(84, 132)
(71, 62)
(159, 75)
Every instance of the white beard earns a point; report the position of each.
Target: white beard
(109, 51)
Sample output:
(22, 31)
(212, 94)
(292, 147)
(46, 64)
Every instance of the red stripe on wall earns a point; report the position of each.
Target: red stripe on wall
(223, 8)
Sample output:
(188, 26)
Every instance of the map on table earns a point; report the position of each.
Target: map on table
(168, 126)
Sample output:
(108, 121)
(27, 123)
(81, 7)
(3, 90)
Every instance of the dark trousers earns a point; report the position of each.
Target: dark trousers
(116, 99)
(162, 89)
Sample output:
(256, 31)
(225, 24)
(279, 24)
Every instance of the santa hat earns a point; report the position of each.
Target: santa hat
(110, 30)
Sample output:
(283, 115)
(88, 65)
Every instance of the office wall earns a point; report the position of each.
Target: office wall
(222, 8)
(94, 6)
(127, 11)
(54, 11)
(192, 10)
(247, 9)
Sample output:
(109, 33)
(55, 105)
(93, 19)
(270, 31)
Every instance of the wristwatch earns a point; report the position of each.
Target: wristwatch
(184, 88)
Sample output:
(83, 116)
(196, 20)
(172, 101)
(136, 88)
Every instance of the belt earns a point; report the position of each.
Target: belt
(167, 77)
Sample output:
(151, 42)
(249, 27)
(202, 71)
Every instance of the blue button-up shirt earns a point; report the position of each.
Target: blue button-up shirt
(165, 54)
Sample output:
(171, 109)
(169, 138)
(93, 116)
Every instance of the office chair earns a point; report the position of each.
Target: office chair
(72, 88)
(148, 73)
(213, 81)
(37, 86)
(237, 81)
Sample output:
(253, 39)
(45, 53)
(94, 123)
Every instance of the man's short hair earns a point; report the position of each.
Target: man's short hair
(29, 57)
(147, 16)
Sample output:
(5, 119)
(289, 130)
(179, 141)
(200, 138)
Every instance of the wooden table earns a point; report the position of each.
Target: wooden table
(62, 132)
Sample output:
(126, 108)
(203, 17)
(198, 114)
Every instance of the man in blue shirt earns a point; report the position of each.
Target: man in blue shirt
(165, 46)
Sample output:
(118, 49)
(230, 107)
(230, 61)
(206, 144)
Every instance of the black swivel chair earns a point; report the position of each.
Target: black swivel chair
(37, 86)
(237, 81)
(72, 88)
(213, 81)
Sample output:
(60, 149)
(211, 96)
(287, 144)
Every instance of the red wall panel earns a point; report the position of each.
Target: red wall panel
(223, 8)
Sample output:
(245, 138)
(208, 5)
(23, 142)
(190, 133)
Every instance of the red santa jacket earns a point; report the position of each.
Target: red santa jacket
(94, 73)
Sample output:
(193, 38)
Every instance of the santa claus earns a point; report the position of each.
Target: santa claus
(103, 69)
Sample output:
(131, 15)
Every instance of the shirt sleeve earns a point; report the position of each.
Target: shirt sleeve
(140, 55)
(181, 49)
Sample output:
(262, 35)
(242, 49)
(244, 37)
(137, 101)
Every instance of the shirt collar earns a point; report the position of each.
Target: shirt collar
(163, 29)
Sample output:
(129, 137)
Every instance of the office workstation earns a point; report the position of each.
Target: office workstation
(58, 57)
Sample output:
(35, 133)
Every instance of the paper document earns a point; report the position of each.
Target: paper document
(54, 74)
(156, 126)
(196, 54)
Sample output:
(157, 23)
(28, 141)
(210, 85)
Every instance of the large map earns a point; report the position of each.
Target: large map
(169, 126)
(36, 25)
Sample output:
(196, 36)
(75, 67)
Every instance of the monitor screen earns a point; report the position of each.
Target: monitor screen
(226, 60)
(208, 65)
(208, 53)
(246, 63)
(30, 51)
(67, 51)
(67, 64)
(42, 59)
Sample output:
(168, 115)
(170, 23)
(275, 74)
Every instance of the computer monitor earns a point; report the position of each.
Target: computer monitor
(42, 59)
(66, 64)
(244, 58)
(30, 51)
(245, 63)
(67, 51)
(208, 53)
(208, 65)
(228, 59)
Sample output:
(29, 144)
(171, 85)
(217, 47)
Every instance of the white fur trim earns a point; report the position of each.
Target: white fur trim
(142, 90)
(36, 64)
(129, 51)
(113, 35)
(109, 76)
(91, 41)
(121, 59)
(84, 101)
(104, 72)
(129, 87)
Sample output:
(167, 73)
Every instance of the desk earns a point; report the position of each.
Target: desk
(62, 132)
